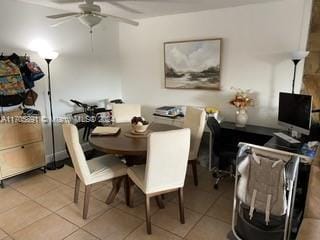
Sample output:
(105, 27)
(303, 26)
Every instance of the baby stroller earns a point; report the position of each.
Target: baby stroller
(264, 193)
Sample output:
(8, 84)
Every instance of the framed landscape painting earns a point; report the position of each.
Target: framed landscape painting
(193, 64)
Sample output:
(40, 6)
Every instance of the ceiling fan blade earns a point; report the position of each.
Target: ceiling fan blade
(67, 1)
(80, 1)
(126, 8)
(118, 19)
(62, 22)
(136, 0)
(62, 15)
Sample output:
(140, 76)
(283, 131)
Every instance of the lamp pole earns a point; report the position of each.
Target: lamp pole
(297, 56)
(295, 62)
(53, 165)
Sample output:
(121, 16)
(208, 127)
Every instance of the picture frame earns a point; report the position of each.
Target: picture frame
(193, 64)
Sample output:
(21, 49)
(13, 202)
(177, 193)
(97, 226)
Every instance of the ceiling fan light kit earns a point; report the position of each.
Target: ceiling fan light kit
(90, 20)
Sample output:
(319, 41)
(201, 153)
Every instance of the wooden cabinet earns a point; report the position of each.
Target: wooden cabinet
(13, 135)
(21, 146)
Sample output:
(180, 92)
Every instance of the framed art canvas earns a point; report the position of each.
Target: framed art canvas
(193, 64)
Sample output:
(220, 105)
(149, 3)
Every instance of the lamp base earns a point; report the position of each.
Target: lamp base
(55, 165)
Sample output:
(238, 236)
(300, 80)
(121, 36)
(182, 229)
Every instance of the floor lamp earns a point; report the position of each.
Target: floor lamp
(49, 57)
(297, 56)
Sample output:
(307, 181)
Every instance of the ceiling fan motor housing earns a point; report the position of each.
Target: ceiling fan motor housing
(89, 8)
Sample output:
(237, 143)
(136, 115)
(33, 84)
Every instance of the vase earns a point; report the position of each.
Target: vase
(241, 117)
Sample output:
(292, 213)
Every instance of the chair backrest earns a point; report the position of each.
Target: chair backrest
(125, 112)
(195, 119)
(71, 136)
(167, 160)
(215, 130)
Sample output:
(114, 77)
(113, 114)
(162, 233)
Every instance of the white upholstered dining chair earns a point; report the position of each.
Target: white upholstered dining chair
(195, 119)
(93, 171)
(122, 113)
(165, 169)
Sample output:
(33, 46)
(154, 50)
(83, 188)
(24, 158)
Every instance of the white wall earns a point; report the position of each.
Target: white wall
(257, 40)
(77, 73)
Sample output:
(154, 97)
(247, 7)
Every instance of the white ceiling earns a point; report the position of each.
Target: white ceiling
(152, 8)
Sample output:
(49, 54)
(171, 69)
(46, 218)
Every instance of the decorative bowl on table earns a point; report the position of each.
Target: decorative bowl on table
(139, 125)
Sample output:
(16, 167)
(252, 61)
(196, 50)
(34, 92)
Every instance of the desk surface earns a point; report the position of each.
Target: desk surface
(274, 142)
(277, 143)
(249, 128)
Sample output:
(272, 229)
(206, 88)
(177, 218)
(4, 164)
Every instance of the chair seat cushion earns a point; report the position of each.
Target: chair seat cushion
(106, 167)
(309, 229)
(136, 174)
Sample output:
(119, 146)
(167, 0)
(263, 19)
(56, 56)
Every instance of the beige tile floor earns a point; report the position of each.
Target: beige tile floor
(39, 206)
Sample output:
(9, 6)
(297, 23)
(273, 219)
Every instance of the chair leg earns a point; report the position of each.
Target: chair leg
(86, 201)
(148, 215)
(181, 205)
(88, 133)
(160, 202)
(116, 184)
(76, 190)
(194, 172)
(84, 133)
(128, 191)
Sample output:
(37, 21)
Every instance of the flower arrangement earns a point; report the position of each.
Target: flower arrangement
(242, 99)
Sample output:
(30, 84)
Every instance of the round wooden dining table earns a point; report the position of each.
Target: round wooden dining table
(124, 143)
(132, 147)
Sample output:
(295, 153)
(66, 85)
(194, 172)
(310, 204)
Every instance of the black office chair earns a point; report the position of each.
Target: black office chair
(222, 156)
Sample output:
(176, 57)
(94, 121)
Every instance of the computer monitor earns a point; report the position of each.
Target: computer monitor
(295, 112)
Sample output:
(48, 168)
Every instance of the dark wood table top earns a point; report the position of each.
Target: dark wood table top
(124, 145)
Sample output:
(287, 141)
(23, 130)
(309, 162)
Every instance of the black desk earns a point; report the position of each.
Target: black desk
(260, 130)
(280, 144)
(258, 135)
(232, 135)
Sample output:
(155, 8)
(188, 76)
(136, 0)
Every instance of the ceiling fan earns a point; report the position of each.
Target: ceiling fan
(90, 14)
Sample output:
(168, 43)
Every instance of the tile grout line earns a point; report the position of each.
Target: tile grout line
(144, 222)
(196, 211)
(90, 233)
(167, 231)
(55, 213)
(8, 235)
(30, 225)
(132, 231)
(51, 211)
(179, 222)
(98, 215)
(206, 214)
(37, 196)
(71, 232)
(29, 199)
(193, 227)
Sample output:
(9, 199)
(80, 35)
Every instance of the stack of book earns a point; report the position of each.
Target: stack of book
(168, 111)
